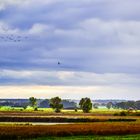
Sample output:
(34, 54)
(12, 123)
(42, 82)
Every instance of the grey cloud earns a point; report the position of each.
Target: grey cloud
(83, 36)
(65, 78)
(96, 42)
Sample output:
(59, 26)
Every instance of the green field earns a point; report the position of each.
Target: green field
(50, 110)
(125, 137)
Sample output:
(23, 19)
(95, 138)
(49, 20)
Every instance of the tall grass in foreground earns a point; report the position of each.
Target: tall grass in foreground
(106, 128)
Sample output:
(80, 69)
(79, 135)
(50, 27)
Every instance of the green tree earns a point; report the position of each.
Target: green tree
(109, 105)
(33, 102)
(56, 104)
(85, 104)
(96, 105)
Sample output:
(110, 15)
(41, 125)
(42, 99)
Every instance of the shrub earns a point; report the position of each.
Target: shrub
(123, 113)
(116, 114)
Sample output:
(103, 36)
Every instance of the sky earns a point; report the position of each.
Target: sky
(70, 48)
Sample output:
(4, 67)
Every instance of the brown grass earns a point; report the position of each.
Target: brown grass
(106, 128)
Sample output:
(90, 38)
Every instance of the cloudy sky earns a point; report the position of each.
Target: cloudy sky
(96, 42)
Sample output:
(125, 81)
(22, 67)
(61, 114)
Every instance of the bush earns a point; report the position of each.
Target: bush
(123, 113)
(116, 114)
(35, 109)
(76, 110)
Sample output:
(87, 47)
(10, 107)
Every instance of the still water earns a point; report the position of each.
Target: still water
(31, 123)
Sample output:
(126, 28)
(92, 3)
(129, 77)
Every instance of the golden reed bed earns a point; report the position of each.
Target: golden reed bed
(98, 128)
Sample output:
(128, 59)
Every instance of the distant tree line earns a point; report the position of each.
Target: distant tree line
(41, 103)
(56, 103)
(128, 105)
(133, 105)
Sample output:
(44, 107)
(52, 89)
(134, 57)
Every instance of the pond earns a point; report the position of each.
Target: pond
(31, 123)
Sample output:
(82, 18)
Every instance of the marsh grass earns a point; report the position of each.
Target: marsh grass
(102, 122)
(100, 128)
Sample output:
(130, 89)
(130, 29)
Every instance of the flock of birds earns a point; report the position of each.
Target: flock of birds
(6, 37)
(16, 39)
(13, 38)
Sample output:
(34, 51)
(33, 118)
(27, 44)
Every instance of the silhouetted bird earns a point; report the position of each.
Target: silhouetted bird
(58, 63)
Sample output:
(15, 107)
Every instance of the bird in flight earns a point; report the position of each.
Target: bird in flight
(58, 63)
